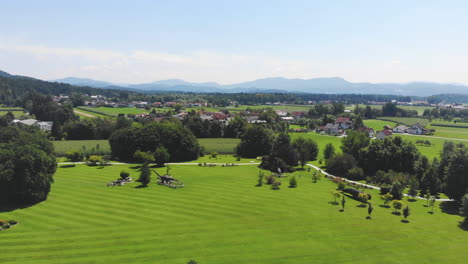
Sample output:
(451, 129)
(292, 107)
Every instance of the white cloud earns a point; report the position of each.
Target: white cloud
(144, 65)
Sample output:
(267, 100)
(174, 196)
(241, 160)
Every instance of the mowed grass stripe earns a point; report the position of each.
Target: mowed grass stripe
(287, 226)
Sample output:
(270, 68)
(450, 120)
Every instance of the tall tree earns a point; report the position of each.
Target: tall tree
(145, 175)
(256, 141)
(354, 142)
(329, 151)
(307, 150)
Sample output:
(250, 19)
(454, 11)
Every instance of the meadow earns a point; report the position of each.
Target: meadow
(220, 145)
(219, 217)
(110, 111)
(378, 125)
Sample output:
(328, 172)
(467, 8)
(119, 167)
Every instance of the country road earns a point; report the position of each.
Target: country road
(83, 114)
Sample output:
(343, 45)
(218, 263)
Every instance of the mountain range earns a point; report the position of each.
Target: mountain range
(333, 85)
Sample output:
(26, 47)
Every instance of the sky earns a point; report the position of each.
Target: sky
(234, 41)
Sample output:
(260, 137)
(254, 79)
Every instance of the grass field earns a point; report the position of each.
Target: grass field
(378, 125)
(321, 140)
(286, 107)
(220, 145)
(219, 217)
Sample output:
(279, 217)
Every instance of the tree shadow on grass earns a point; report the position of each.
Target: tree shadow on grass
(135, 167)
(100, 168)
(396, 213)
(67, 166)
(463, 226)
(361, 205)
(384, 206)
(333, 203)
(451, 208)
(405, 221)
(412, 200)
(141, 186)
(9, 207)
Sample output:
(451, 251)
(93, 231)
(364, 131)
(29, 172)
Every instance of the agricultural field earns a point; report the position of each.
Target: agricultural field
(419, 109)
(16, 111)
(220, 217)
(407, 121)
(109, 111)
(286, 107)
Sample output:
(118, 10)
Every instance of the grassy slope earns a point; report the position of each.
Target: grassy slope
(220, 217)
(378, 125)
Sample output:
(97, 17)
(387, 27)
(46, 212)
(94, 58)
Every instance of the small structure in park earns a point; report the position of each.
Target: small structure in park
(168, 181)
(120, 182)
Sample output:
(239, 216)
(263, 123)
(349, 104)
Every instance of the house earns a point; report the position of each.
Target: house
(281, 113)
(387, 127)
(344, 123)
(416, 129)
(331, 128)
(369, 131)
(400, 129)
(287, 118)
(43, 125)
(383, 134)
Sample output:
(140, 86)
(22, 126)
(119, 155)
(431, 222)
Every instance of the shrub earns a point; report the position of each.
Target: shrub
(363, 197)
(270, 179)
(276, 185)
(341, 185)
(356, 173)
(214, 154)
(12, 222)
(94, 160)
(293, 182)
(124, 174)
(397, 205)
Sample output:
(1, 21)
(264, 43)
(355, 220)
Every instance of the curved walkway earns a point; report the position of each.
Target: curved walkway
(367, 185)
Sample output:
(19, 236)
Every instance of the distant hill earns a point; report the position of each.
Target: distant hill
(84, 82)
(333, 85)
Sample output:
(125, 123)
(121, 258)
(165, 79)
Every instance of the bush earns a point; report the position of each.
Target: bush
(293, 182)
(124, 174)
(356, 174)
(94, 160)
(276, 185)
(341, 185)
(12, 222)
(270, 179)
(214, 154)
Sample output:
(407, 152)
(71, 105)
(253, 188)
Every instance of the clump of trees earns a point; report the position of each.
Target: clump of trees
(179, 143)
(464, 209)
(256, 141)
(27, 164)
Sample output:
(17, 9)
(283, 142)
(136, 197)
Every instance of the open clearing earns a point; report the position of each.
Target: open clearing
(219, 217)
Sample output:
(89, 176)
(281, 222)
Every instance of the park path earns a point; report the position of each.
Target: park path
(257, 163)
(83, 113)
(367, 185)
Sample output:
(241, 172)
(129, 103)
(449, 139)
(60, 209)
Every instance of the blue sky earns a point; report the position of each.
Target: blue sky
(234, 41)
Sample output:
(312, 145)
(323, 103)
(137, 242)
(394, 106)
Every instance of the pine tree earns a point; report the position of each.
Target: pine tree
(145, 175)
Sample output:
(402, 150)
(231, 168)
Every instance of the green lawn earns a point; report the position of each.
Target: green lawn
(219, 217)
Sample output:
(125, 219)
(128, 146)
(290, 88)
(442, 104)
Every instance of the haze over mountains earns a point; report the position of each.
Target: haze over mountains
(333, 85)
